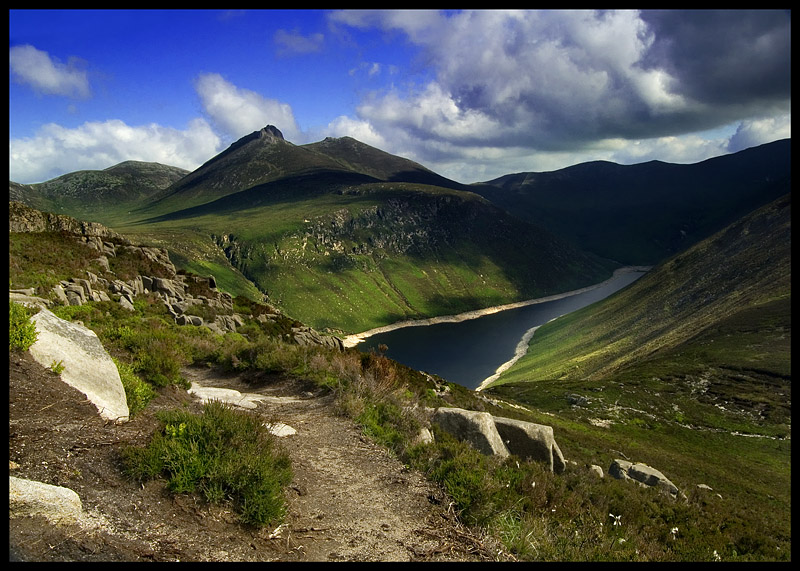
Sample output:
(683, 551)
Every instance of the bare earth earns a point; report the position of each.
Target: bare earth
(350, 500)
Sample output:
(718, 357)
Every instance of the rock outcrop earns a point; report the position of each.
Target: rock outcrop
(180, 292)
(493, 435)
(86, 364)
(476, 428)
(644, 474)
(531, 440)
(22, 218)
(307, 336)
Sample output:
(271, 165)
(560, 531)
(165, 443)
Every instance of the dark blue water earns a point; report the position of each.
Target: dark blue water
(468, 352)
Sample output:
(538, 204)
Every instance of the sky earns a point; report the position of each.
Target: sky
(472, 95)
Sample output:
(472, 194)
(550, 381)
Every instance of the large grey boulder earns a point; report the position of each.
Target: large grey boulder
(87, 365)
(644, 474)
(59, 505)
(170, 288)
(531, 440)
(476, 428)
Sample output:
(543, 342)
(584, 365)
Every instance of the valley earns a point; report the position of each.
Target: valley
(688, 369)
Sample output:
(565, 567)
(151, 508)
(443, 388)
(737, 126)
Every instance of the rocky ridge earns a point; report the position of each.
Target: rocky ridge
(179, 292)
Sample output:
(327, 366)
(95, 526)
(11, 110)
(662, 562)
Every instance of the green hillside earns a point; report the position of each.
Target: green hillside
(335, 252)
(708, 327)
(109, 194)
(344, 236)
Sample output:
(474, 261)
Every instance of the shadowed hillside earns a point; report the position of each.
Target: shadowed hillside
(640, 214)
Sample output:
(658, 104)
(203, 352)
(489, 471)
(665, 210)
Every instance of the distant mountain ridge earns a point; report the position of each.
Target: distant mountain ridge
(641, 213)
(127, 184)
(265, 156)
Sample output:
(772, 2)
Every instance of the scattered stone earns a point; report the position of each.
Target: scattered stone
(126, 303)
(230, 396)
(577, 400)
(280, 429)
(597, 470)
(424, 436)
(644, 474)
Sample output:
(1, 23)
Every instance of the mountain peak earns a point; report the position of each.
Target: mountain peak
(270, 131)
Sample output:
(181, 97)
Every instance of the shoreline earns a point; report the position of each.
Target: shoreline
(519, 352)
(356, 338)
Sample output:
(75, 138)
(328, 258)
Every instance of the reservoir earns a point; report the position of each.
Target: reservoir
(469, 351)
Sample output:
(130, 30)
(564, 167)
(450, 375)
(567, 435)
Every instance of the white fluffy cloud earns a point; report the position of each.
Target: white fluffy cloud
(55, 150)
(237, 112)
(758, 131)
(46, 75)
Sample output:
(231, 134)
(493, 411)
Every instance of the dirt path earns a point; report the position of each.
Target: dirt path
(349, 500)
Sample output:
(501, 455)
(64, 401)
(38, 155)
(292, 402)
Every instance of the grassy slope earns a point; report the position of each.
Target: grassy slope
(337, 287)
(742, 268)
(673, 369)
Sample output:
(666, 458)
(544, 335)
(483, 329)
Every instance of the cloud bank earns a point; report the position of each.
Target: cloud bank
(619, 85)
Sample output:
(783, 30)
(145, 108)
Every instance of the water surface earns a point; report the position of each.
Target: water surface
(468, 352)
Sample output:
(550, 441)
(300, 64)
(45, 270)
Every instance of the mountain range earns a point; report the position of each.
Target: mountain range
(642, 213)
(347, 237)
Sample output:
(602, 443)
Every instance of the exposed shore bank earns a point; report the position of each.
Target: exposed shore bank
(356, 338)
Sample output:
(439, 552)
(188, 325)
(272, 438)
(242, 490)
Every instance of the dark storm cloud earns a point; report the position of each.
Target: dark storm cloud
(622, 84)
(724, 57)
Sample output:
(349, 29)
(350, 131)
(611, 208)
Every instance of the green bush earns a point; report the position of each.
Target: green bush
(137, 392)
(21, 330)
(380, 422)
(222, 455)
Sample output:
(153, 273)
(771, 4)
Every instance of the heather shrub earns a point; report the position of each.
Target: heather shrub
(137, 392)
(21, 330)
(223, 455)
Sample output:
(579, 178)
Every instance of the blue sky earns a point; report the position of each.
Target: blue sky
(472, 95)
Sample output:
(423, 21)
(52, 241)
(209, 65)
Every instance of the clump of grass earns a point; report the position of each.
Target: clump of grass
(21, 330)
(224, 455)
(138, 393)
